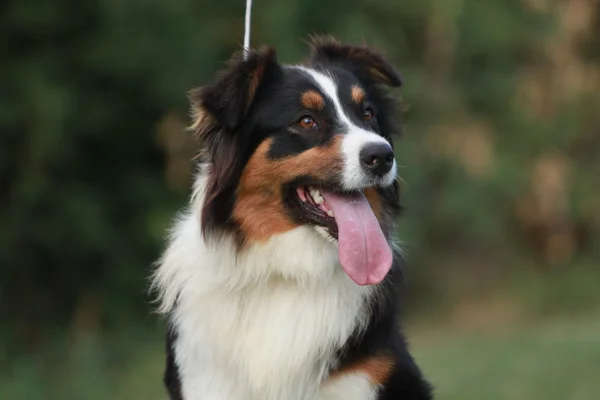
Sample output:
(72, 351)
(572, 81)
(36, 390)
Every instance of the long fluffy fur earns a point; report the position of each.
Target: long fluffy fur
(264, 311)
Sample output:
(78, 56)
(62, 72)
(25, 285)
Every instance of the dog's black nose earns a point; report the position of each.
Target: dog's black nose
(377, 158)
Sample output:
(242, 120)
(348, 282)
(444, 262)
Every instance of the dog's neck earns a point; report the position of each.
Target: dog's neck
(241, 312)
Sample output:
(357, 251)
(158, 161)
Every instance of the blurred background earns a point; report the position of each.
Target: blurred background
(500, 158)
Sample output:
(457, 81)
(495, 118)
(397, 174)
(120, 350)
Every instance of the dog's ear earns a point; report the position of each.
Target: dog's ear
(219, 111)
(225, 103)
(367, 64)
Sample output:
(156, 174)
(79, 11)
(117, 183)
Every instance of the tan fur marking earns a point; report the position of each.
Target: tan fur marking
(375, 202)
(262, 215)
(379, 76)
(377, 369)
(255, 78)
(312, 100)
(201, 119)
(259, 207)
(358, 95)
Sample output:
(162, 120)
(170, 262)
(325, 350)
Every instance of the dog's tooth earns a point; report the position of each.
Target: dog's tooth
(330, 213)
(319, 200)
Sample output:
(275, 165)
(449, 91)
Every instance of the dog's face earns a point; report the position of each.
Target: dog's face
(303, 145)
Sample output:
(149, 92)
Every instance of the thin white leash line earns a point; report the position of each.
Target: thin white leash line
(247, 29)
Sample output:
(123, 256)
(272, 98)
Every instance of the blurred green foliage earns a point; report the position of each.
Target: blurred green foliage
(501, 152)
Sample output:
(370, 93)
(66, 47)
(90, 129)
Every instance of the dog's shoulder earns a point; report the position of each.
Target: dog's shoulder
(381, 352)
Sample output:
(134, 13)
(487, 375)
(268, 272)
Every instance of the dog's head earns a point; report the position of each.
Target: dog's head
(310, 144)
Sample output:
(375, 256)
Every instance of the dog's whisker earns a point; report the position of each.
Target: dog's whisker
(401, 180)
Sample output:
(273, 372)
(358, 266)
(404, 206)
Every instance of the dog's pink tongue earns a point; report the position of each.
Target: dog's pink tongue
(364, 252)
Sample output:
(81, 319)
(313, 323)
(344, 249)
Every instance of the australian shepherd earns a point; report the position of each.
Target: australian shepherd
(280, 280)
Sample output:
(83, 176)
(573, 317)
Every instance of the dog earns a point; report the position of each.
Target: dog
(279, 282)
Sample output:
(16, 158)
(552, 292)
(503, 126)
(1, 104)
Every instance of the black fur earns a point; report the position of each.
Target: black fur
(368, 65)
(227, 138)
(171, 376)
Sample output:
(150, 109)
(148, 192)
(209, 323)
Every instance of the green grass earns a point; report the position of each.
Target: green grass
(123, 368)
(552, 360)
(558, 360)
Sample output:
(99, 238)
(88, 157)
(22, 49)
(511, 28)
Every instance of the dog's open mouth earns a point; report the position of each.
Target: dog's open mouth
(314, 207)
(364, 251)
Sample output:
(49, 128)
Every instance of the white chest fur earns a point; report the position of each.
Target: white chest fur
(261, 326)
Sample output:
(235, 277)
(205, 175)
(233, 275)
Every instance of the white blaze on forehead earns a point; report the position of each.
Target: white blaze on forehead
(329, 88)
(354, 177)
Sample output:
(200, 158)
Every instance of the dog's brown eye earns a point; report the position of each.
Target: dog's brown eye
(307, 122)
(368, 114)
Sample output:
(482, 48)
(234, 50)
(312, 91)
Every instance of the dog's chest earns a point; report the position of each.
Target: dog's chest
(276, 341)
